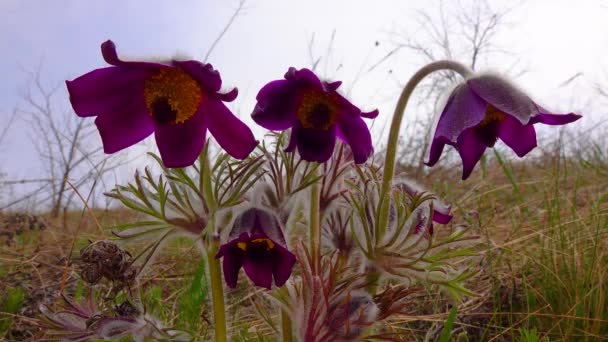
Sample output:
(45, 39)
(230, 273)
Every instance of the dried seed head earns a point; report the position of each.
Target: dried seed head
(106, 259)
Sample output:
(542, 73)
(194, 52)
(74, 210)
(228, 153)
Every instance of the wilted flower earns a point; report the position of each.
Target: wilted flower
(178, 101)
(316, 114)
(483, 109)
(106, 259)
(257, 244)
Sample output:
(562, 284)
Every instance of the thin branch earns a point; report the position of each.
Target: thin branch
(236, 13)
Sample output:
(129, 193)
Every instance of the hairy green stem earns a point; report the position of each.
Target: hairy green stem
(314, 220)
(393, 138)
(217, 292)
(286, 326)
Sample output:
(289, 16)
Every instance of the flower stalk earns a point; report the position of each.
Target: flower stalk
(314, 220)
(286, 327)
(217, 292)
(393, 138)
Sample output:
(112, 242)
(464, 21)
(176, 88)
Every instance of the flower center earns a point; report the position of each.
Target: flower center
(261, 244)
(172, 96)
(487, 129)
(317, 110)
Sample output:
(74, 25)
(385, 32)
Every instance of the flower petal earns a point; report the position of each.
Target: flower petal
(230, 132)
(314, 145)
(283, 264)
(354, 131)
(304, 76)
(463, 110)
(520, 138)
(229, 96)
(370, 115)
(125, 126)
(504, 96)
(277, 105)
(107, 89)
(232, 263)
(555, 119)
(180, 144)
(259, 271)
(204, 74)
(267, 223)
(441, 216)
(108, 51)
(436, 149)
(291, 146)
(470, 148)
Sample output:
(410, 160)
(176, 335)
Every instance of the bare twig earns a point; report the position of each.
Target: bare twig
(235, 14)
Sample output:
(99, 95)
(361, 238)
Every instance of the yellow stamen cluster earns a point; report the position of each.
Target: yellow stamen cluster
(261, 241)
(314, 104)
(178, 89)
(492, 115)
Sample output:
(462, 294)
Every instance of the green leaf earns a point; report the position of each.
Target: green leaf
(448, 326)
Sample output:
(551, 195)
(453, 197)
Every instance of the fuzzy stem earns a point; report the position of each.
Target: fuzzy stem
(286, 326)
(393, 138)
(315, 227)
(217, 292)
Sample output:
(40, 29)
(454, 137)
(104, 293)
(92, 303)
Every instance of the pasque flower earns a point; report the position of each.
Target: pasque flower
(316, 114)
(441, 210)
(257, 244)
(177, 100)
(481, 110)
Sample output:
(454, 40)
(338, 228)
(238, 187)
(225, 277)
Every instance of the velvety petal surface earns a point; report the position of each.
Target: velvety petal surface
(283, 264)
(315, 145)
(230, 132)
(353, 130)
(520, 138)
(268, 225)
(277, 105)
(232, 262)
(436, 149)
(107, 89)
(504, 96)
(463, 110)
(554, 119)
(125, 126)
(470, 149)
(180, 144)
(204, 74)
(259, 271)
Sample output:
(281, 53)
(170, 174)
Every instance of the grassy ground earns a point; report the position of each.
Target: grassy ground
(543, 251)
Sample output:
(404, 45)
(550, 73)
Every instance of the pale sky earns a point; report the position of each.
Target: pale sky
(552, 39)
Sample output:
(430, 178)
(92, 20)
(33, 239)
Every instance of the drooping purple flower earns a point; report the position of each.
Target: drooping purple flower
(316, 114)
(483, 109)
(257, 244)
(178, 101)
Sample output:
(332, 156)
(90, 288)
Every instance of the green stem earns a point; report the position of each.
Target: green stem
(286, 326)
(393, 138)
(217, 292)
(314, 220)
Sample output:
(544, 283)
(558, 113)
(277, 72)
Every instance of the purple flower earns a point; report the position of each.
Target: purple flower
(257, 244)
(441, 210)
(178, 101)
(483, 109)
(316, 114)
